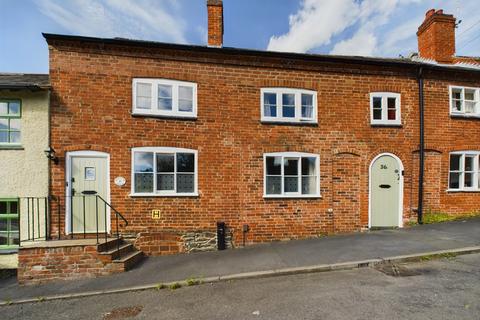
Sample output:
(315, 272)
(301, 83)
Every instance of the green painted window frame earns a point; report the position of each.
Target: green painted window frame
(9, 117)
(8, 216)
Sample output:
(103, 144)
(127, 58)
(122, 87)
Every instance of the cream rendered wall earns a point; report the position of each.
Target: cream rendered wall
(24, 173)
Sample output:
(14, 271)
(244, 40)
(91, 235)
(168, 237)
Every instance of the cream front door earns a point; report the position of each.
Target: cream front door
(385, 192)
(88, 214)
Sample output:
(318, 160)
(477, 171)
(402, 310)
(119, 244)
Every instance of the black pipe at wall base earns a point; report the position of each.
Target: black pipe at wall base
(221, 233)
(421, 167)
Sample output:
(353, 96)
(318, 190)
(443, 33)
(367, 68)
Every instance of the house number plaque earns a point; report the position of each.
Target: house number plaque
(120, 181)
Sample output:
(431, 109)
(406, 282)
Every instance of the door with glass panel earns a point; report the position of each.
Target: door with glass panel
(88, 174)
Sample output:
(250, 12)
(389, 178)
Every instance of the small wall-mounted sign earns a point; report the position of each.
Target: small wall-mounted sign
(120, 181)
(155, 214)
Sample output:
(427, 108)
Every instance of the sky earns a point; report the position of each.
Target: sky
(380, 28)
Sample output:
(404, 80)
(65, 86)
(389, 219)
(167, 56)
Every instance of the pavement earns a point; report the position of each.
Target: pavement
(442, 289)
(276, 256)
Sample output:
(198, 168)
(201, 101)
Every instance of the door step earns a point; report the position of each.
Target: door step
(121, 253)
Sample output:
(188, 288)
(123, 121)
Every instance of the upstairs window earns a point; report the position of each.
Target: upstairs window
(385, 108)
(465, 101)
(291, 174)
(288, 105)
(160, 171)
(464, 171)
(10, 116)
(167, 98)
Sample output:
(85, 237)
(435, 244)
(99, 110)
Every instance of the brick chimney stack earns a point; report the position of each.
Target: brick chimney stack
(215, 23)
(436, 37)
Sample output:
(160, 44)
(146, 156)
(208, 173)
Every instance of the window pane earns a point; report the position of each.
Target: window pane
(14, 137)
(270, 104)
(14, 224)
(165, 163)
(165, 182)
(3, 207)
(469, 94)
(14, 108)
(274, 185)
(13, 207)
(164, 104)
(14, 238)
(468, 180)
(270, 98)
(3, 108)
(15, 124)
(309, 185)
(392, 114)
(469, 107)
(454, 180)
(457, 93)
(290, 167)
(308, 166)
(3, 239)
(185, 162)
(164, 91)
(291, 184)
(274, 165)
(307, 106)
(143, 161)
(3, 225)
(185, 105)
(143, 182)
(185, 93)
(3, 136)
(185, 183)
(288, 102)
(391, 102)
(3, 124)
(469, 163)
(377, 103)
(457, 105)
(144, 95)
(455, 162)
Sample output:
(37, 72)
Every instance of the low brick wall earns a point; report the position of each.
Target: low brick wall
(39, 265)
(159, 243)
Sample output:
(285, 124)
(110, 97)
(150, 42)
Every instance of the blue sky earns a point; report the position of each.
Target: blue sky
(351, 27)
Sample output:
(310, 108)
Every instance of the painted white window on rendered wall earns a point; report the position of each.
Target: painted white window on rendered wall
(464, 174)
(163, 171)
(385, 108)
(288, 105)
(291, 174)
(161, 97)
(464, 101)
(10, 122)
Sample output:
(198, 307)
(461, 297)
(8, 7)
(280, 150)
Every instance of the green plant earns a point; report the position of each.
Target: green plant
(175, 286)
(160, 286)
(40, 299)
(193, 282)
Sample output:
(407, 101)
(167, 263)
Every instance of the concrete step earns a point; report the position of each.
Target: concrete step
(130, 259)
(117, 252)
(109, 245)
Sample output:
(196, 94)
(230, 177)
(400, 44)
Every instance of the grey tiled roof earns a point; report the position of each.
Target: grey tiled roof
(24, 81)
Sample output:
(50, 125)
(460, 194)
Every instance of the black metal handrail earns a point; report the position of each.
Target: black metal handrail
(37, 213)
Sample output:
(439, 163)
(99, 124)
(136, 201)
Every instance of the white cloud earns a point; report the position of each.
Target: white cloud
(318, 21)
(141, 19)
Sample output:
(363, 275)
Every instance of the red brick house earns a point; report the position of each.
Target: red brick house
(277, 145)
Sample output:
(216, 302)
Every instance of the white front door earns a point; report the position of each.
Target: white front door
(88, 174)
(386, 189)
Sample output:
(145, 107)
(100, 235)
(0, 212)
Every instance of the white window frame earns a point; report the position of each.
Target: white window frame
(154, 111)
(384, 120)
(165, 193)
(462, 113)
(298, 105)
(476, 171)
(299, 156)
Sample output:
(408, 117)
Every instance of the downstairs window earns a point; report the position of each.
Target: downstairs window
(9, 224)
(464, 174)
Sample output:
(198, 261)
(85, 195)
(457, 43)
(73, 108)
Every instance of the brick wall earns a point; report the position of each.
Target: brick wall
(40, 265)
(91, 110)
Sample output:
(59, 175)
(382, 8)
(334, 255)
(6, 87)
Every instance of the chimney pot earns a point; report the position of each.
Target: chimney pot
(215, 23)
(436, 36)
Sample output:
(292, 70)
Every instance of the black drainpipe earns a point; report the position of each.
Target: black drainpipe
(421, 148)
